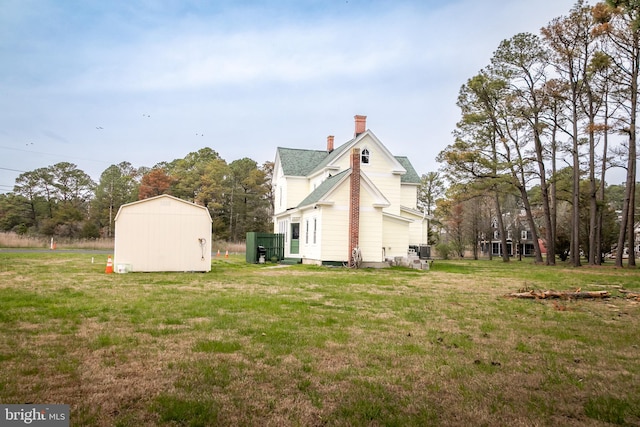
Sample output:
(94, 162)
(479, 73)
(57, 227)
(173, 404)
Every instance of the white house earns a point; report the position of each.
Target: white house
(356, 199)
(162, 233)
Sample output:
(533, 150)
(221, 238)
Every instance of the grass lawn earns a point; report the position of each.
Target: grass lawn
(310, 346)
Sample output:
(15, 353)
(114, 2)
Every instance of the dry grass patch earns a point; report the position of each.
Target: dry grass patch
(304, 345)
(14, 240)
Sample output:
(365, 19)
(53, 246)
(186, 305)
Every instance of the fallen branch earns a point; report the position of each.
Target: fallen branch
(563, 295)
(630, 294)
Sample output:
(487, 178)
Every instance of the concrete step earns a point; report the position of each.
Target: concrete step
(291, 261)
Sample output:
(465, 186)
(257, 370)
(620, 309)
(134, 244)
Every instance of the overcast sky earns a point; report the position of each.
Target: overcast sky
(144, 81)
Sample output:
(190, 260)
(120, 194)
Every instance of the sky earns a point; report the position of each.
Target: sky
(96, 82)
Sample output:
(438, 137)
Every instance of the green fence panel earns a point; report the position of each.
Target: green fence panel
(273, 244)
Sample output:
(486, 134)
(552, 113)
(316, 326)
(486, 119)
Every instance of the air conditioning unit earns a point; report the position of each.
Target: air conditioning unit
(424, 252)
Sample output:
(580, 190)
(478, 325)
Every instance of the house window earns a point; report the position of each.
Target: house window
(524, 234)
(365, 156)
(306, 232)
(496, 234)
(315, 229)
(495, 248)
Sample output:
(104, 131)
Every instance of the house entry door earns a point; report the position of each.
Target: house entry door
(295, 238)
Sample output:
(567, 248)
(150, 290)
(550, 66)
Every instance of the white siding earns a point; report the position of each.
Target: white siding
(281, 190)
(316, 181)
(409, 195)
(370, 226)
(284, 227)
(163, 234)
(396, 237)
(418, 228)
(289, 192)
(378, 170)
(279, 183)
(310, 234)
(297, 190)
(334, 229)
(389, 185)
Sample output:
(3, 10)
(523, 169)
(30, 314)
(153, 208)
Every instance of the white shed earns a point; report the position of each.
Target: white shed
(162, 233)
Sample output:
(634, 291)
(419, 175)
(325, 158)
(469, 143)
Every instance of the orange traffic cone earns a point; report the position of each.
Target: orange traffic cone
(109, 268)
(218, 252)
(226, 255)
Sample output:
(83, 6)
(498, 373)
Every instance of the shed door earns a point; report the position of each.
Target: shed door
(295, 238)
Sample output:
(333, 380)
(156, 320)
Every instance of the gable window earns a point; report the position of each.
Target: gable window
(364, 158)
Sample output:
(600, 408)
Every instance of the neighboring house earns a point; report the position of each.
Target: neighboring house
(355, 199)
(519, 237)
(636, 232)
(162, 233)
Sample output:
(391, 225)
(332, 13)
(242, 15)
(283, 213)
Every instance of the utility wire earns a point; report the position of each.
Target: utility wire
(12, 170)
(52, 154)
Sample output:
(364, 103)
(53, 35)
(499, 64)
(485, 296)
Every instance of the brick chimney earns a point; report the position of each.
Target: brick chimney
(354, 204)
(361, 124)
(330, 143)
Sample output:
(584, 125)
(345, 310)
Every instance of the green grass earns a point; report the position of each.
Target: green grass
(306, 345)
(610, 409)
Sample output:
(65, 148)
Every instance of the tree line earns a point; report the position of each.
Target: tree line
(536, 129)
(62, 200)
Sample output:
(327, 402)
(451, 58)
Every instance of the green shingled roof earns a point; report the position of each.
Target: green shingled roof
(323, 188)
(330, 156)
(411, 176)
(299, 162)
(296, 162)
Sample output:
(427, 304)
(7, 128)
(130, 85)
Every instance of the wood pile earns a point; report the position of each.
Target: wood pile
(550, 294)
(630, 295)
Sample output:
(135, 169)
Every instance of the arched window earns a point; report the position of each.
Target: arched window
(365, 156)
